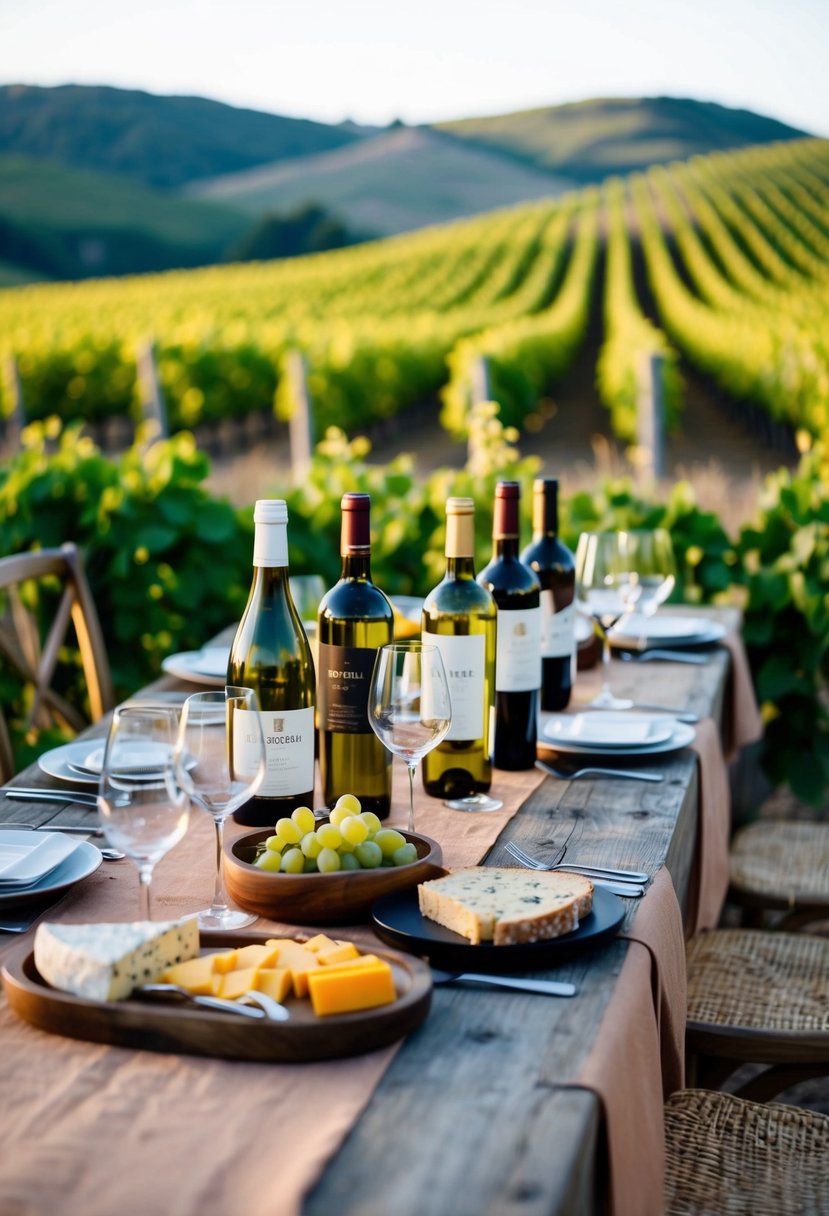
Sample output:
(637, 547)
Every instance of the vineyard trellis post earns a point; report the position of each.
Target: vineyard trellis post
(153, 408)
(479, 390)
(16, 417)
(301, 423)
(650, 414)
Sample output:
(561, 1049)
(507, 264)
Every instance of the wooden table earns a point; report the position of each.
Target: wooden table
(471, 1116)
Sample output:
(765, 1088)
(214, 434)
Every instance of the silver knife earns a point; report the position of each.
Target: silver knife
(23, 794)
(545, 987)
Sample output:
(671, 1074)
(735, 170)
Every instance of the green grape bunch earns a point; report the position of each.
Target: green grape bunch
(352, 839)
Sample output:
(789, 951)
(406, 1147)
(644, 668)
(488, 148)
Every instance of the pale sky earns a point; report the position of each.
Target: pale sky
(426, 60)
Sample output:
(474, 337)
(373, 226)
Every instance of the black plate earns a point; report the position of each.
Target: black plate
(396, 919)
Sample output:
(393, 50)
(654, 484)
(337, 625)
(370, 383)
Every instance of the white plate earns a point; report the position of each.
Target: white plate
(81, 862)
(674, 632)
(58, 762)
(207, 666)
(607, 729)
(27, 857)
(138, 758)
(681, 735)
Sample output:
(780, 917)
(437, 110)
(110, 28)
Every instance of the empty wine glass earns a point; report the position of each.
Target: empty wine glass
(409, 708)
(607, 586)
(220, 762)
(652, 556)
(142, 809)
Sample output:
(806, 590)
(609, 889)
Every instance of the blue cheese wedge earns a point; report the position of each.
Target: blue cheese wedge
(105, 962)
(507, 906)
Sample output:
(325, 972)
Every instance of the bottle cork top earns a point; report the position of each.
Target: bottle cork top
(270, 511)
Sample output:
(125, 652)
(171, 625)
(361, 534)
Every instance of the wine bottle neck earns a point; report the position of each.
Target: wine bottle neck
(272, 580)
(460, 567)
(505, 546)
(357, 565)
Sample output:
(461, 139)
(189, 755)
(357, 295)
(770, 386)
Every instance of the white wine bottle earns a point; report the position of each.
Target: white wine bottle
(459, 618)
(517, 592)
(555, 566)
(355, 619)
(271, 655)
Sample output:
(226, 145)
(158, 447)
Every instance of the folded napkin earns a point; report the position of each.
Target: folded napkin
(710, 878)
(743, 724)
(657, 925)
(622, 1069)
(27, 857)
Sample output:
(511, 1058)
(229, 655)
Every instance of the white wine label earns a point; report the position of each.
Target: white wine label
(289, 748)
(464, 661)
(557, 628)
(344, 682)
(518, 650)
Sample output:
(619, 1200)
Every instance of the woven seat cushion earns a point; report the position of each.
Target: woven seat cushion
(759, 980)
(785, 861)
(726, 1155)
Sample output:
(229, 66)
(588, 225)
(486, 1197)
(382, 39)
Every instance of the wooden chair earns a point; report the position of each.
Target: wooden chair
(35, 660)
(726, 1155)
(757, 996)
(781, 867)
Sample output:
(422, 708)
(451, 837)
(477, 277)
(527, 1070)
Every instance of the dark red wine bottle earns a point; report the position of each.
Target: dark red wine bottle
(517, 594)
(555, 566)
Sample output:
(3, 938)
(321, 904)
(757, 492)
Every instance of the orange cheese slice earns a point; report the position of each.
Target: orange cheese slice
(335, 991)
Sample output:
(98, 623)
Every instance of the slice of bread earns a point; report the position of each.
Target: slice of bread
(507, 906)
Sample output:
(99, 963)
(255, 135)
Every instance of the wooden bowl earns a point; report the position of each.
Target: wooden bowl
(320, 899)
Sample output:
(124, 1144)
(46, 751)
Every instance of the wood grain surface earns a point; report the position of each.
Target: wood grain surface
(474, 1117)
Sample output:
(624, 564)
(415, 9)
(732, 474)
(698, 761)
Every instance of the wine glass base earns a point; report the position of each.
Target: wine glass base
(231, 918)
(606, 700)
(475, 802)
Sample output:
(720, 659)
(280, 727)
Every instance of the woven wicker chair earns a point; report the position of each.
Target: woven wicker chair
(782, 867)
(760, 997)
(726, 1155)
(34, 659)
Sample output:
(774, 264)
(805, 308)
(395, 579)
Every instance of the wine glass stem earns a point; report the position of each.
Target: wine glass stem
(145, 874)
(219, 904)
(605, 663)
(412, 767)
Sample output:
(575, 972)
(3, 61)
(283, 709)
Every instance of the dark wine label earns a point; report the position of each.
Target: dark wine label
(344, 681)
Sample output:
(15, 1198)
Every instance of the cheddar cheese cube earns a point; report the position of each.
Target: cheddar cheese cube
(274, 981)
(196, 975)
(346, 991)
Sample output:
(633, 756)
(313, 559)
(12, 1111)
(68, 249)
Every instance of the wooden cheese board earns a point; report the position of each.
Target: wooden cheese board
(193, 1030)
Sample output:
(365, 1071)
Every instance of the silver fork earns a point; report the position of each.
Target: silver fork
(665, 656)
(534, 863)
(622, 773)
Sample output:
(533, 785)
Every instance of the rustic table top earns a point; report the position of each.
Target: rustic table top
(471, 1116)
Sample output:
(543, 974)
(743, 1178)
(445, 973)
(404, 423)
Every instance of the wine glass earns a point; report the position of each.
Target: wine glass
(652, 556)
(409, 708)
(607, 586)
(220, 761)
(142, 809)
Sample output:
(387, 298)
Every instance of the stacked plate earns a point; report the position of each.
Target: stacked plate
(82, 761)
(34, 863)
(208, 666)
(610, 734)
(638, 632)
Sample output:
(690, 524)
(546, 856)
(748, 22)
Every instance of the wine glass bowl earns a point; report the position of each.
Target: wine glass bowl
(220, 762)
(142, 809)
(652, 556)
(608, 588)
(409, 708)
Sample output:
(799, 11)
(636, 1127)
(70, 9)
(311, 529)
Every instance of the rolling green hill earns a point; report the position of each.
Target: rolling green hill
(590, 140)
(75, 222)
(406, 178)
(161, 141)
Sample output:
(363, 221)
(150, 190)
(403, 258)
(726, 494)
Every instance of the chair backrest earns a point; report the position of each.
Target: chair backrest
(34, 659)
